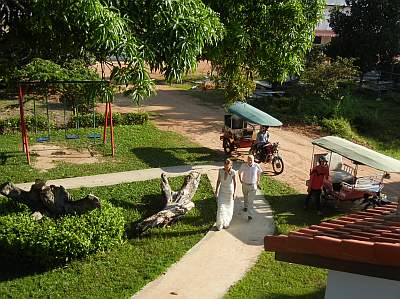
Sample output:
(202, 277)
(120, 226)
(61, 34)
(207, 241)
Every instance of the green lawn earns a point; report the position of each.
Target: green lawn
(279, 280)
(138, 147)
(125, 269)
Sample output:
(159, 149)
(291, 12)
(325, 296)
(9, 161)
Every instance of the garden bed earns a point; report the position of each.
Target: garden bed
(125, 269)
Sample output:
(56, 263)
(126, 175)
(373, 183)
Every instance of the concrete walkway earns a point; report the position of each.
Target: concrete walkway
(214, 264)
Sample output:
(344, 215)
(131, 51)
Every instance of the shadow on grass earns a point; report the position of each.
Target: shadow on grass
(6, 155)
(8, 206)
(200, 222)
(319, 294)
(149, 205)
(14, 266)
(289, 212)
(159, 157)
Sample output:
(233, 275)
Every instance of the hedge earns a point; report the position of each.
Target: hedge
(85, 121)
(49, 241)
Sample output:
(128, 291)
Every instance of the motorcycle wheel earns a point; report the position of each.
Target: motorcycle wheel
(228, 148)
(277, 165)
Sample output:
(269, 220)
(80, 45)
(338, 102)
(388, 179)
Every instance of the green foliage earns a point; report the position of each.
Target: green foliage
(167, 35)
(12, 123)
(86, 120)
(81, 120)
(125, 269)
(265, 38)
(238, 87)
(370, 32)
(50, 240)
(340, 127)
(326, 78)
(174, 33)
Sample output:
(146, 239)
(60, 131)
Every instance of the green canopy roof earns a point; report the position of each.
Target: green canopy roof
(358, 153)
(253, 115)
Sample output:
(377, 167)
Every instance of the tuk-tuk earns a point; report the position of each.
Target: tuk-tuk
(344, 183)
(240, 131)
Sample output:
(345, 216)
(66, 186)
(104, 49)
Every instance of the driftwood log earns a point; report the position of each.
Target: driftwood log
(50, 200)
(176, 203)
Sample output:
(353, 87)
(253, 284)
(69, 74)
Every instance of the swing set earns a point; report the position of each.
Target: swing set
(23, 129)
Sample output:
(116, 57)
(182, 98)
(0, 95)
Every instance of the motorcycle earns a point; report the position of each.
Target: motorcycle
(268, 153)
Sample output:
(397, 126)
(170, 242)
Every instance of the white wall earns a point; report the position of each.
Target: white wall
(343, 285)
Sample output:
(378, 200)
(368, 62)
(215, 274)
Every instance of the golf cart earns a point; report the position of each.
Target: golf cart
(240, 131)
(344, 183)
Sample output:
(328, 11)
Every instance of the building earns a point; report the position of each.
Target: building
(361, 251)
(323, 32)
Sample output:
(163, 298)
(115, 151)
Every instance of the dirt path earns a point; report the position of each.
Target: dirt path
(202, 123)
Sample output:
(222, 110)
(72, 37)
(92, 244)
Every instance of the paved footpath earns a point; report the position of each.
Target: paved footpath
(214, 264)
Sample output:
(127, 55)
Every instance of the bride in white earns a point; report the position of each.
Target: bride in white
(225, 193)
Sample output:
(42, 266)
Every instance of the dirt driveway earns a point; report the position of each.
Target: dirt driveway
(176, 111)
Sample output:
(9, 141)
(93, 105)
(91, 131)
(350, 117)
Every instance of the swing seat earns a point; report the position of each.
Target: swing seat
(72, 136)
(94, 136)
(42, 139)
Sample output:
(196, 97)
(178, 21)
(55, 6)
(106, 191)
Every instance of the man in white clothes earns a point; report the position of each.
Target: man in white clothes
(249, 176)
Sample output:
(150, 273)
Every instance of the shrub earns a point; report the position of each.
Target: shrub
(12, 123)
(50, 241)
(340, 127)
(325, 77)
(347, 107)
(83, 120)
(135, 118)
(86, 120)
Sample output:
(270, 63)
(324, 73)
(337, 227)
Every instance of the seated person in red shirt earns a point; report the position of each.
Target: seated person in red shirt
(317, 176)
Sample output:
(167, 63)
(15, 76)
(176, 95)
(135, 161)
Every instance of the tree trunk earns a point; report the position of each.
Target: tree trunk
(176, 203)
(50, 200)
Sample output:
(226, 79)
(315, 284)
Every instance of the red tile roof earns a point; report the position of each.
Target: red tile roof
(364, 237)
(325, 33)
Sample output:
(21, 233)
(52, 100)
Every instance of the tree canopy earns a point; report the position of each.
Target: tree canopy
(168, 35)
(244, 39)
(368, 32)
(268, 38)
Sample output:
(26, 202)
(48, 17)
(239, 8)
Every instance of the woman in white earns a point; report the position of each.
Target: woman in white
(225, 193)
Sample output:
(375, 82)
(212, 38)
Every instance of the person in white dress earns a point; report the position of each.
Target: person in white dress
(225, 193)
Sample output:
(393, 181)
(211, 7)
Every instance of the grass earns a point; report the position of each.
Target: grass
(280, 280)
(138, 147)
(125, 269)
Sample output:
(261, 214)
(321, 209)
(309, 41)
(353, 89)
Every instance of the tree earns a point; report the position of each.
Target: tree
(267, 38)
(325, 77)
(167, 34)
(368, 32)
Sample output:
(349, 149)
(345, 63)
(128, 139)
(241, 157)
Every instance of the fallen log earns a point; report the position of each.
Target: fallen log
(51, 200)
(176, 203)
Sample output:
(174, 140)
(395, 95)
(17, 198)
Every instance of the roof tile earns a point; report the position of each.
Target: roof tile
(387, 254)
(363, 237)
(357, 250)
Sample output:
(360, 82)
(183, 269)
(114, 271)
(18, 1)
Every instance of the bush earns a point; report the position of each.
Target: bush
(347, 107)
(50, 241)
(83, 120)
(86, 120)
(339, 126)
(12, 123)
(135, 118)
